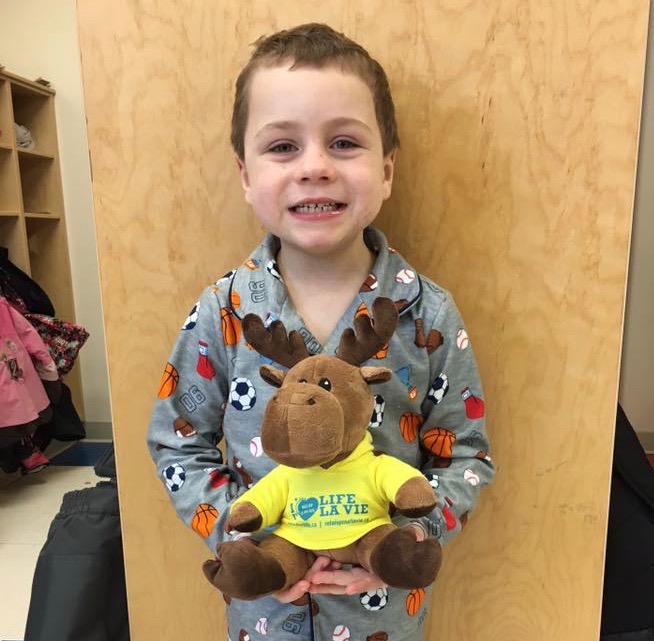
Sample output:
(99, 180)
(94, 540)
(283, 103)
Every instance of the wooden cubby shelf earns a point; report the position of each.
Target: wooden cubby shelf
(32, 220)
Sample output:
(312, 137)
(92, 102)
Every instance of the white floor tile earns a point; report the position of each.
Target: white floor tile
(17, 562)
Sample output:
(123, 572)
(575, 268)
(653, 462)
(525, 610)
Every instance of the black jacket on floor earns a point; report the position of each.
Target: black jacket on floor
(78, 591)
(628, 604)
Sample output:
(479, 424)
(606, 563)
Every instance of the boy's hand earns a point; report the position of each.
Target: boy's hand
(337, 581)
(334, 580)
(302, 586)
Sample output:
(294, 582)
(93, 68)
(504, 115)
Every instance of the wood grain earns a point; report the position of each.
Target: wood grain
(519, 126)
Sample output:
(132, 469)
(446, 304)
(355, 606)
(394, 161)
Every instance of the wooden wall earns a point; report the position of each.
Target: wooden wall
(519, 123)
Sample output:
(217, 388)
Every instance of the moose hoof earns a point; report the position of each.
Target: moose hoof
(403, 562)
(243, 571)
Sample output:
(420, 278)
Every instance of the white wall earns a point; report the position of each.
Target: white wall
(39, 38)
(637, 374)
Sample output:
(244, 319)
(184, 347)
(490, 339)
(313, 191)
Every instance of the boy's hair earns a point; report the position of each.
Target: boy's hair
(315, 45)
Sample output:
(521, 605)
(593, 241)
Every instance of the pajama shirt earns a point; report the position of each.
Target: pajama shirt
(430, 415)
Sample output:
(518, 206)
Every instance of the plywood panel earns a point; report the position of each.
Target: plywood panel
(514, 189)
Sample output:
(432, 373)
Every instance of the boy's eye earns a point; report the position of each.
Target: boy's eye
(343, 143)
(282, 148)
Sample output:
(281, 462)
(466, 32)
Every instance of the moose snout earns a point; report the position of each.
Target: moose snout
(303, 398)
(303, 426)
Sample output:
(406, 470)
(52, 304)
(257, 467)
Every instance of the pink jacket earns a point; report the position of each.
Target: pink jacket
(24, 361)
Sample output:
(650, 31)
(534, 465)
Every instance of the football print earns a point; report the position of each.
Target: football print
(174, 475)
(377, 411)
(374, 600)
(242, 395)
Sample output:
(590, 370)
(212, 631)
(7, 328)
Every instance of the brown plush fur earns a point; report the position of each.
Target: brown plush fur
(307, 425)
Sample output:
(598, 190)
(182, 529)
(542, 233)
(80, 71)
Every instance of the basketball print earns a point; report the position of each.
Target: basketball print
(414, 601)
(235, 298)
(439, 441)
(362, 310)
(230, 326)
(409, 425)
(204, 519)
(168, 383)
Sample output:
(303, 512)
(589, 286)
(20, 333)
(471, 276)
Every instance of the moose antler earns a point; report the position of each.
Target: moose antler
(365, 340)
(273, 342)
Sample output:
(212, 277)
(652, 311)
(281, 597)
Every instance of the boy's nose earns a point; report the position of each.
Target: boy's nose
(315, 165)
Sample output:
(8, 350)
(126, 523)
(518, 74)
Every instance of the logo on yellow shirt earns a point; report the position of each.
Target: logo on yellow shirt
(328, 505)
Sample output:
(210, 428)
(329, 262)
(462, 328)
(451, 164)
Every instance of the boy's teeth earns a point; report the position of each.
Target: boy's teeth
(315, 207)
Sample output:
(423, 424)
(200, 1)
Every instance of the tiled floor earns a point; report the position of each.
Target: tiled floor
(28, 504)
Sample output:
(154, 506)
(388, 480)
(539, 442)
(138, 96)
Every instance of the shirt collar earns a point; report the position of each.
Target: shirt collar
(256, 286)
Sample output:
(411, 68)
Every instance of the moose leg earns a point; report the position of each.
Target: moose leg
(245, 570)
(398, 559)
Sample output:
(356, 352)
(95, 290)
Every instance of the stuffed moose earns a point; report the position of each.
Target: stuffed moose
(330, 492)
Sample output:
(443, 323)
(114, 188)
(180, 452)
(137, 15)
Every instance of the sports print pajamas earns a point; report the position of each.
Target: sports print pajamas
(430, 414)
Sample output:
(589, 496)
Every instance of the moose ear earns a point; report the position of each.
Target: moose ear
(272, 375)
(372, 375)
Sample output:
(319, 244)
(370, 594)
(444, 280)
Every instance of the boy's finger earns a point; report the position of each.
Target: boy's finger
(334, 577)
(364, 586)
(294, 592)
(327, 589)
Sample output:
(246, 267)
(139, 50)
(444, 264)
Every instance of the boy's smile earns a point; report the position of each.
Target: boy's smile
(314, 169)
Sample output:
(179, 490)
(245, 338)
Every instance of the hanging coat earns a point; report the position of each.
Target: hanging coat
(24, 361)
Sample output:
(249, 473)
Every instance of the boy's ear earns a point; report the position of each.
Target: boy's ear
(245, 180)
(389, 167)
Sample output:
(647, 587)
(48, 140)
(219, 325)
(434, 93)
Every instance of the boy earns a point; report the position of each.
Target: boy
(315, 137)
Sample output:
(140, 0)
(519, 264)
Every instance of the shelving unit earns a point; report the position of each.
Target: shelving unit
(32, 221)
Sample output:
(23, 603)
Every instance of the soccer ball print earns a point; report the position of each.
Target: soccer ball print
(192, 318)
(377, 412)
(174, 475)
(374, 600)
(432, 479)
(438, 389)
(273, 270)
(242, 395)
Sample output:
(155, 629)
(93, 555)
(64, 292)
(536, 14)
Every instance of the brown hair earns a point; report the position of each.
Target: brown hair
(316, 45)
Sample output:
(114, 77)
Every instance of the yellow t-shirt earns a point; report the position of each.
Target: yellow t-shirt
(330, 508)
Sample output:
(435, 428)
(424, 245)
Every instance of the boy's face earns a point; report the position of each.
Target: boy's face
(314, 169)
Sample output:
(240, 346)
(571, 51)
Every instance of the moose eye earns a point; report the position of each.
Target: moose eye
(301, 380)
(325, 383)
